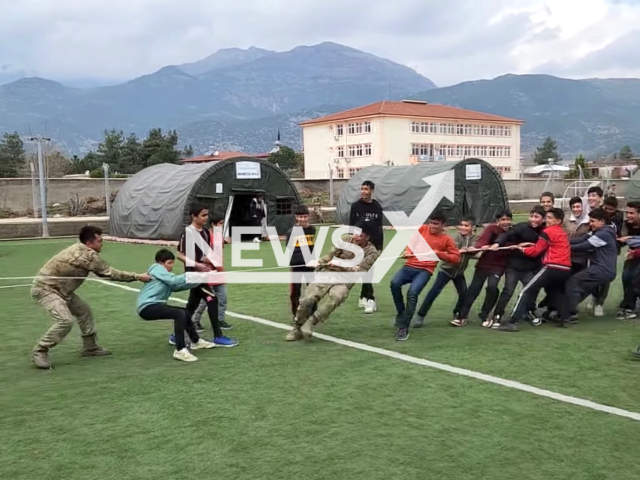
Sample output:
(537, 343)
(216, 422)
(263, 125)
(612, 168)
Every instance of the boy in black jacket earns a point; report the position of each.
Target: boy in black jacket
(305, 235)
(368, 210)
(520, 267)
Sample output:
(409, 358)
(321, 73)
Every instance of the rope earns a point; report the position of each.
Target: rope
(474, 251)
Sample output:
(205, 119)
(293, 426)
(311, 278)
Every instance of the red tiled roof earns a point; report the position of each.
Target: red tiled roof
(410, 109)
(215, 158)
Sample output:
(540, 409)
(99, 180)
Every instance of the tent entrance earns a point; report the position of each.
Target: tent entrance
(239, 212)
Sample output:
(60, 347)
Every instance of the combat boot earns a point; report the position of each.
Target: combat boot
(41, 359)
(294, 334)
(92, 349)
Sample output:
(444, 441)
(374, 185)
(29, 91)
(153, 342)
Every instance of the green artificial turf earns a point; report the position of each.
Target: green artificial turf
(274, 410)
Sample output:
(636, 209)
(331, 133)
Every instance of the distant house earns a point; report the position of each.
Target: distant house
(408, 132)
(215, 156)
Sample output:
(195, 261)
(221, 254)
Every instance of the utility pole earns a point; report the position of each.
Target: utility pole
(330, 185)
(34, 187)
(43, 196)
(107, 193)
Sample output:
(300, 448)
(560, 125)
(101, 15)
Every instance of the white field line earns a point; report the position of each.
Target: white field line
(16, 286)
(427, 363)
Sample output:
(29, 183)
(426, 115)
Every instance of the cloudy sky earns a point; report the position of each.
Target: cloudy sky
(447, 41)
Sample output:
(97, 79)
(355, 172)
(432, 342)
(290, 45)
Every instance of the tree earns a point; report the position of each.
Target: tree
(110, 149)
(159, 148)
(580, 162)
(626, 153)
(549, 149)
(89, 163)
(187, 152)
(12, 155)
(287, 159)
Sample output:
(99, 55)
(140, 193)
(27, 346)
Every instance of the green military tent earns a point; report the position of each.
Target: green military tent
(154, 203)
(478, 188)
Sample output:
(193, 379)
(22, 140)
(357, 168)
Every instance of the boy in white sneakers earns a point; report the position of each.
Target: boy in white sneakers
(152, 305)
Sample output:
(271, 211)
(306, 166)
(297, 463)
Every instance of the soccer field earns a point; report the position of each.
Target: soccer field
(308, 410)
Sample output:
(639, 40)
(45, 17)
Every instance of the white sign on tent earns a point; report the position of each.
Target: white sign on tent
(247, 170)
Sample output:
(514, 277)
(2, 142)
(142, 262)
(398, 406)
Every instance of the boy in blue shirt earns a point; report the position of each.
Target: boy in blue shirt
(152, 305)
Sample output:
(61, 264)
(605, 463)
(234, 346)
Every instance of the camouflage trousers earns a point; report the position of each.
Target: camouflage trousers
(63, 312)
(336, 294)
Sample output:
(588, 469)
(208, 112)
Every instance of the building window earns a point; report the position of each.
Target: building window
(467, 129)
(443, 129)
(500, 131)
(507, 131)
(415, 127)
(424, 127)
(476, 130)
(421, 149)
(451, 129)
(476, 151)
(433, 128)
(451, 150)
(284, 206)
(340, 152)
(367, 127)
(339, 172)
(467, 150)
(460, 130)
(353, 171)
(442, 150)
(360, 150)
(492, 151)
(507, 151)
(459, 151)
(485, 130)
(339, 130)
(492, 130)
(499, 151)
(483, 151)
(354, 128)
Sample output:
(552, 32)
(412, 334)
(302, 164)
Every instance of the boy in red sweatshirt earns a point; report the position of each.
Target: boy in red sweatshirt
(419, 267)
(556, 269)
(489, 269)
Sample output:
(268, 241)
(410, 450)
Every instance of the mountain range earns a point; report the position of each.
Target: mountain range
(238, 99)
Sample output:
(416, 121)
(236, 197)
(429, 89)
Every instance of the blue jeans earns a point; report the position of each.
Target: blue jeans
(417, 278)
(441, 281)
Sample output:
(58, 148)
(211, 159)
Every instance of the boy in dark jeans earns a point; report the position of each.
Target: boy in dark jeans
(304, 235)
(199, 215)
(451, 272)
(152, 305)
(489, 269)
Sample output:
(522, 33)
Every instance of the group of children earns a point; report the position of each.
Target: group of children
(570, 259)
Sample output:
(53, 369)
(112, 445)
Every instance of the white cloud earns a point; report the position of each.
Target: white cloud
(447, 41)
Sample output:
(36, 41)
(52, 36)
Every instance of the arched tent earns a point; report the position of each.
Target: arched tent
(632, 193)
(479, 190)
(154, 203)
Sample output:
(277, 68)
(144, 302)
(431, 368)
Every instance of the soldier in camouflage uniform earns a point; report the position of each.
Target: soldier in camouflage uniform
(336, 293)
(56, 295)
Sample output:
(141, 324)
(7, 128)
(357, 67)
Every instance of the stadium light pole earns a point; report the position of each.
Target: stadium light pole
(43, 196)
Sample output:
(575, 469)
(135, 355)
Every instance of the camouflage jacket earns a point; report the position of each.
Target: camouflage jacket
(78, 260)
(370, 256)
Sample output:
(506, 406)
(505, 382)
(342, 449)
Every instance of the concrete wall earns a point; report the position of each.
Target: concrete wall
(58, 227)
(15, 193)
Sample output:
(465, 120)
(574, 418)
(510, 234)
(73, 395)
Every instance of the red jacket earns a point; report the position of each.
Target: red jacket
(555, 242)
(443, 244)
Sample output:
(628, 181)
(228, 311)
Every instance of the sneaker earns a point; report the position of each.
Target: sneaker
(202, 344)
(418, 322)
(598, 311)
(307, 328)
(402, 334)
(225, 326)
(509, 327)
(536, 322)
(256, 240)
(371, 306)
(626, 314)
(294, 334)
(199, 327)
(41, 360)
(225, 342)
(172, 339)
(458, 322)
(497, 321)
(362, 303)
(184, 355)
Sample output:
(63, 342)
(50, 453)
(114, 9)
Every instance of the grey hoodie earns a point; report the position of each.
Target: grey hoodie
(456, 269)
